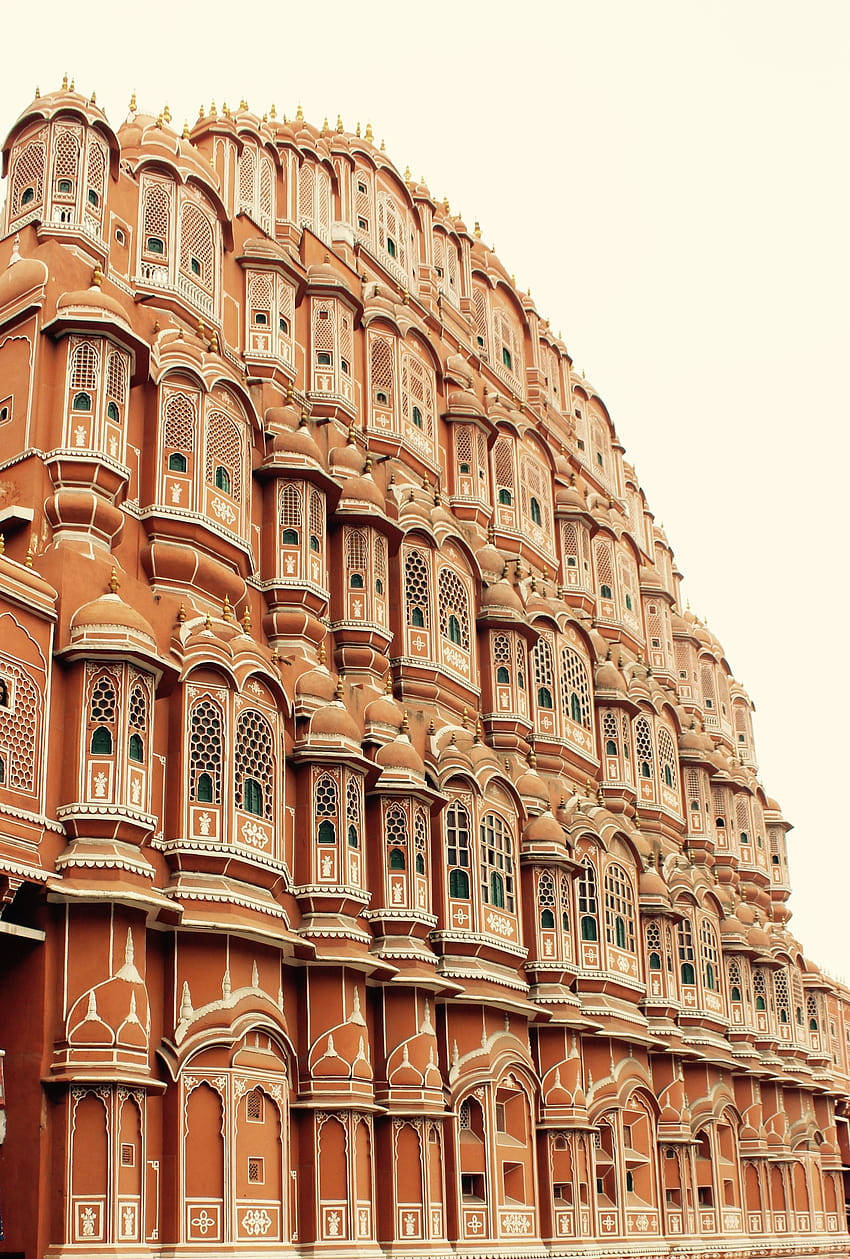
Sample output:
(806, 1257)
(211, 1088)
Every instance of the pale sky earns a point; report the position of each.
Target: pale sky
(670, 179)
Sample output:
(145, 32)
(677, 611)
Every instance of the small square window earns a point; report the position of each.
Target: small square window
(256, 1171)
(362, 188)
(128, 1155)
(363, 224)
(6, 409)
(120, 236)
(195, 266)
(580, 444)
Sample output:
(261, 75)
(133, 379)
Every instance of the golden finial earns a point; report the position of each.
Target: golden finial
(243, 104)
(407, 174)
(273, 111)
(369, 133)
(367, 466)
(225, 610)
(447, 208)
(275, 655)
(208, 622)
(325, 126)
(299, 114)
(383, 145)
(323, 652)
(185, 128)
(97, 277)
(214, 342)
(339, 692)
(504, 569)
(201, 113)
(28, 560)
(357, 130)
(464, 718)
(491, 532)
(432, 727)
(93, 100)
(477, 729)
(213, 110)
(339, 125)
(265, 117)
(37, 94)
(532, 758)
(224, 109)
(64, 83)
(247, 623)
(181, 613)
(73, 85)
(114, 583)
(2, 544)
(405, 722)
(388, 686)
(201, 329)
(159, 120)
(513, 280)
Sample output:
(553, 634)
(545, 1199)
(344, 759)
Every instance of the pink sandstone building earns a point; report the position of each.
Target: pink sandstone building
(384, 865)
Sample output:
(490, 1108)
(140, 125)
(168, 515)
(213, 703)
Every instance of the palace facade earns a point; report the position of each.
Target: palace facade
(384, 864)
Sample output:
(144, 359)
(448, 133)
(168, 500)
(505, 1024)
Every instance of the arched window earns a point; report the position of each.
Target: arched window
(138, 720)
(326, 796)
(101, 741)
(575, 687)
(644, 747)
(397, 861)
(416, 583)
(708, 947)
(81, 402)
(536, 515)
(222, 479)
(206, 727)
(687, 971)
(497, 863)
(619, 909)
(588, 903)
(454, 608)
(254, 764)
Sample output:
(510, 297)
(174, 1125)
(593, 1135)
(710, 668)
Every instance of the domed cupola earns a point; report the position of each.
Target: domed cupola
(21, 284)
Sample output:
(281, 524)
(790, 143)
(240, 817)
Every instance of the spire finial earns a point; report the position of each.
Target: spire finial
(2, 544)
(181, 613)
(247, 622)
(339, 125)
(299, 114)
(370, 136)
(114, 583)
(97, 277)
(407, 174)
(323, 652)
(339, 692)
(477, 230)
(226, 609)
(29, 555)
(405, 722)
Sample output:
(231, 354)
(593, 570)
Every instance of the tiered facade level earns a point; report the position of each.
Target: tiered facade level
(385, 866)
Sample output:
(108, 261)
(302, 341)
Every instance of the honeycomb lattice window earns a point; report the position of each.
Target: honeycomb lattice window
(417, 599)
(95, 179)
(644, 748)
(783, 1000)
(546, 890)
(206, 727)
(420, 841)
(138, 709)
(353, 810)
(18, 726)
(604, 561)
(326, 797)
(317, 521)
(67, 151)
(116, 377)
(291, 507)
(653, 937)
(254, 761)
(504, 472)
(103, 703)
(453, 601)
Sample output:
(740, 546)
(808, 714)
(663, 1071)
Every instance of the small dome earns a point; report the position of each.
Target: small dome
(361, 492)
(532, 787)
(652, 886)
(384, 711)
(758, 939)
(544, 829)
(501, 596)
(490, 559)
(21, 277)
(295, 441)
(93, 302)
(731, 926)
(109, 618)
(347, 459)
(609, 677)
(463, 402)
(316, 683)
(324, 273)
(400, 756)
(569, 498)
(333, 722)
